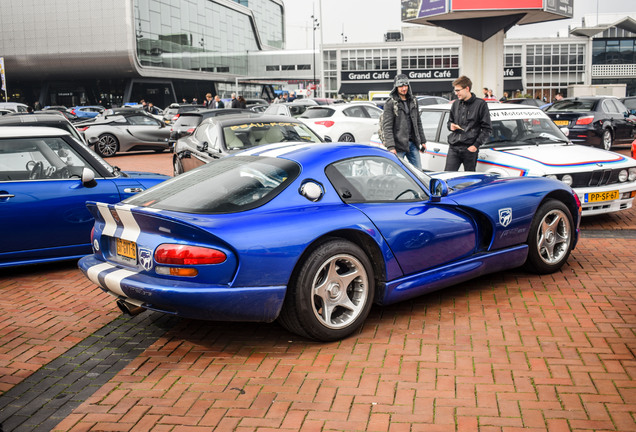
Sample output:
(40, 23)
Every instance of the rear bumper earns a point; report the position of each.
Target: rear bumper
(183, 298)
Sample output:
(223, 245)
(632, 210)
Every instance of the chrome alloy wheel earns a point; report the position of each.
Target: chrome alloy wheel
(340, 291)
(553, 237)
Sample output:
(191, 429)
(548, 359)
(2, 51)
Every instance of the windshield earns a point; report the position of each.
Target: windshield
(228, 185)
(575, 105)
(252, 134)
(523, 127)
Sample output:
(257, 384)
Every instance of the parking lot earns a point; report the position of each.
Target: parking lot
(505, 352)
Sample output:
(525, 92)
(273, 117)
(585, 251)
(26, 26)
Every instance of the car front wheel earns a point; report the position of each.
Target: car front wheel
(550, 239)
(607, 139)
(107, 145)
(332, 293)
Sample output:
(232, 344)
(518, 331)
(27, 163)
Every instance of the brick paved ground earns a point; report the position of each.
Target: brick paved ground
(506, 352)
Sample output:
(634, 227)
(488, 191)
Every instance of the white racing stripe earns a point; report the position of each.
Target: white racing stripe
(276, 150)
(113, 280)
(131, 229)
(111, 225)
(94, 272)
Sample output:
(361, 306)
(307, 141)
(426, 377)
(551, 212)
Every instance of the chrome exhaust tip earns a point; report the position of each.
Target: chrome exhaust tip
(129, 309)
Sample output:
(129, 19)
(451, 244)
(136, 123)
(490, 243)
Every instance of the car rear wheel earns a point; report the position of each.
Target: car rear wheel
(607, 139)
(177, 166)
(346, 137)
(550, 239)
(332, 293)
(107, 145)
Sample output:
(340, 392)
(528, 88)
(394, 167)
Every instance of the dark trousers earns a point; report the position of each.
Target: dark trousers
(458, 155)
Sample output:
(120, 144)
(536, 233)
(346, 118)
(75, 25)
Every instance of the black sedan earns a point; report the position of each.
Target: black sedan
(221, 136)
(525, 101)
(599, 121)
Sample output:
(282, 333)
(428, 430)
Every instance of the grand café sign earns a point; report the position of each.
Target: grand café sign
(414, 74)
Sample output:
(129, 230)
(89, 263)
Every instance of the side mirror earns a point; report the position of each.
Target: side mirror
(565, 131)
(327, 138)
(93, 140)
(438, 189)
(203, 146)
(88, 178)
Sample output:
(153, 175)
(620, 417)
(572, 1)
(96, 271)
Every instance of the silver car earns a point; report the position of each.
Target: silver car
(125, 132)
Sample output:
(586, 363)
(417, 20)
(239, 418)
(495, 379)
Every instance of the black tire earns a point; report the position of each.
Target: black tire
(107, 145)
(177, 166)
(346, 137)
(337, 272)
(607, 139)
(550, 238)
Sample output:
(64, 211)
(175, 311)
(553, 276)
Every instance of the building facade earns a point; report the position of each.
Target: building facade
(77, 52)
(537, 67)
(113, 51)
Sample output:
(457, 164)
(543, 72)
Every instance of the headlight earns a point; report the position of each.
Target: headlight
(622, 176)
(552, 176)
(632, 174)
(567, 179)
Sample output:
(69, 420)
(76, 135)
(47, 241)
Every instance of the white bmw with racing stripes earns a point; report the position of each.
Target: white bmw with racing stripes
(526, 142)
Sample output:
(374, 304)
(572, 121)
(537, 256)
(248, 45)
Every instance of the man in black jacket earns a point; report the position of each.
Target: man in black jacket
(401, 123)
(470, 127)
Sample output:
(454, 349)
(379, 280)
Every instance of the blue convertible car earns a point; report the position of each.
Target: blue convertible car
(312, 235)
(46, 177)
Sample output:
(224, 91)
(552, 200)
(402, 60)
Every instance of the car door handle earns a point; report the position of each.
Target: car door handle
(436, 149)
(6, 195)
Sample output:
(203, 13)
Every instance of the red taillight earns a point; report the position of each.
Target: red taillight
(189, 131)
(325, 123)
(188, 255)
(73, 111)
(176, 116)
(82, 129)
(585, 120)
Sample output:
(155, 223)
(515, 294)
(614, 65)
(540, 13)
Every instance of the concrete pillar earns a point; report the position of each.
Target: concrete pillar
(483, 63)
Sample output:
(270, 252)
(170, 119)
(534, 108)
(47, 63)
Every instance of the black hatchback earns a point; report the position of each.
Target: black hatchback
(599, 121)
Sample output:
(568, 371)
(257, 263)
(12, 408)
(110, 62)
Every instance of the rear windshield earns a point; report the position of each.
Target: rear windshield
(573, 105)
(228, 185)
(318, 113)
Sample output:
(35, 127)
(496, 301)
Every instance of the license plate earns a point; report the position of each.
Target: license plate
(601, 196)
(561, 122)
(126, 249)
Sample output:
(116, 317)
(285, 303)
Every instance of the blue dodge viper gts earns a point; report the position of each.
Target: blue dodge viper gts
(313, 234)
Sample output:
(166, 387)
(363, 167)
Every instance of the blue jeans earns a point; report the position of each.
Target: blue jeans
(413, 155)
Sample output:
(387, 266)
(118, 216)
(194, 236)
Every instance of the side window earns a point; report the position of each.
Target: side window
(373, 179)
(608, 106)
(200, 134)
(430, 123)
(38, 159)
(373, 112)
(355, 111)
(142, 120)
(443, 130)
(620, 107)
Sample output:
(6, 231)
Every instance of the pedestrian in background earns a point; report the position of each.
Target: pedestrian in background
(242, 103)
(208, 101)
(234, 101)
(401, 123)
(218, 103)
(470, 127)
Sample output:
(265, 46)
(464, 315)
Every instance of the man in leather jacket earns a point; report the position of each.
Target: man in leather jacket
(401, 123)
(470, 127)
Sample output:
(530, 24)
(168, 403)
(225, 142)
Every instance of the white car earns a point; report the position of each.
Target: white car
(346, 122)
(526, 142)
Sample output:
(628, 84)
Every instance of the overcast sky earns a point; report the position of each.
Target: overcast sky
(364, 21)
